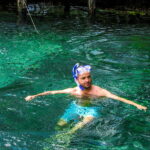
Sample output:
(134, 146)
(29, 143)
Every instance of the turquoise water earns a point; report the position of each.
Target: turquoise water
(31, 63)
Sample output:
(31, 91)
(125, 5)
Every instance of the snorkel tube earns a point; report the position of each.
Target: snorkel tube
(77, 70)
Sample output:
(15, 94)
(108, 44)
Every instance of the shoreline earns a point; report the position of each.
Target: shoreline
(107, 15)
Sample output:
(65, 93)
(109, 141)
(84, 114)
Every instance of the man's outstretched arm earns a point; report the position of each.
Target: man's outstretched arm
(65, 91)
(112, 96)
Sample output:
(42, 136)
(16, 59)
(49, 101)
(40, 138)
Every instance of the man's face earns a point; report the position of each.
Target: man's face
(85, 80)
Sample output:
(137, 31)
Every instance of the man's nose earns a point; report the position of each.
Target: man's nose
(87, 79)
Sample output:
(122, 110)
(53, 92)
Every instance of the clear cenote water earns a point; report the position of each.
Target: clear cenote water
(31, 63)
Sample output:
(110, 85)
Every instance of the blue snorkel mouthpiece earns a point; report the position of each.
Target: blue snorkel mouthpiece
(77, 70)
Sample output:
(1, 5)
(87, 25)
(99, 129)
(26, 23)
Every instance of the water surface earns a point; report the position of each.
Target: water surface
(31, 63)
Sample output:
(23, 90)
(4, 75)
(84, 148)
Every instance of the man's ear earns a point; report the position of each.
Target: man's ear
(77, 79)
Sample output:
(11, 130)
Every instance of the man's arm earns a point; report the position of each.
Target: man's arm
(110, 95)
(65, 91)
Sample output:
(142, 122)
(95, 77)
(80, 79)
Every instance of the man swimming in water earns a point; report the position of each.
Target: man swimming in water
(85, 93)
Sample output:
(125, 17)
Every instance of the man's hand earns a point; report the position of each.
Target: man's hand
(141, 107)
(29, 98)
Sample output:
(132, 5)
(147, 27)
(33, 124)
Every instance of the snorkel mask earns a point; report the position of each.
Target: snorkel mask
(77, 70)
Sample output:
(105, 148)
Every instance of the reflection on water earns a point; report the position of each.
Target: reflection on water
(31, 63)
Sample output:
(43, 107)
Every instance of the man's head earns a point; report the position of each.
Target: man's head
(82, 76)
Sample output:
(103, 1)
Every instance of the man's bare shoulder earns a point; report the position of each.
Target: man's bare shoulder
(71, 90)
(98, 89)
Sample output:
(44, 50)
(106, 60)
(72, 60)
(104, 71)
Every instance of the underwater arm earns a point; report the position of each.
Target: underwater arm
(65, 91)
(110, 95)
